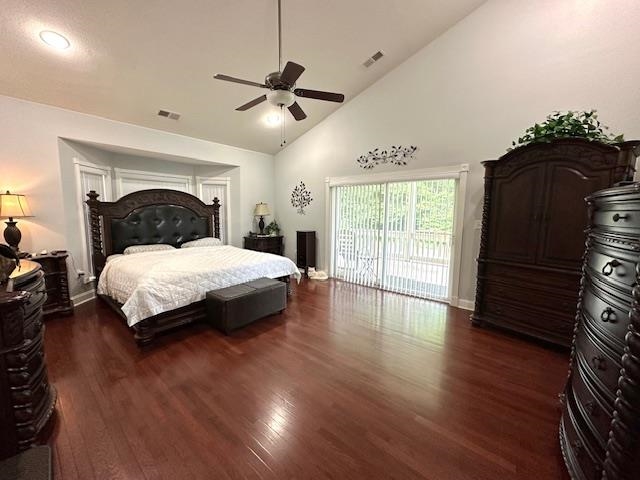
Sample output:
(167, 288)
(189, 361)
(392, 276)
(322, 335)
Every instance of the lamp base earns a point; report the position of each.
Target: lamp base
(12, 234)
(261, 225)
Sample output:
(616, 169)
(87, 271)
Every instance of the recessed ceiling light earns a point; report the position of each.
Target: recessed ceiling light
(273, 119)
(54, 39)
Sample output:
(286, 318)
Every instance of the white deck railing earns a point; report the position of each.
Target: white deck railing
(417, 263)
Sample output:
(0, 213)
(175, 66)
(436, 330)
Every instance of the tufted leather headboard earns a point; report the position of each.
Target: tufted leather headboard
(147, 217)
(170, 224)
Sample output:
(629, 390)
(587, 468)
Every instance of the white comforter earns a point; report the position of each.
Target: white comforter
(150, 283)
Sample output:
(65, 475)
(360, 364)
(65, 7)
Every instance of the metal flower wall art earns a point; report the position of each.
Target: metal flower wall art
(395, 155)
(301, 198)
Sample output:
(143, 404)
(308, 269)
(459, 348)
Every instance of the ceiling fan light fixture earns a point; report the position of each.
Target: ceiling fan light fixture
(54, 39)
(273, 119)
(280, 98)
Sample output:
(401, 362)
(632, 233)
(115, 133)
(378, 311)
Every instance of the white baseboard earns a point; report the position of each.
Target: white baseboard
(83, 297)
(466, 304)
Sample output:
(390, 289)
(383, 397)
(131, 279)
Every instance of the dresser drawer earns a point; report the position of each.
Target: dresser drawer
(556, 327)
(28, 360)
(622, 217)
(595, 409)
(563, 282)
(584, 457)
(27, 389)
(519, 293)
(608, 314)
(599, 359)
(614, 266)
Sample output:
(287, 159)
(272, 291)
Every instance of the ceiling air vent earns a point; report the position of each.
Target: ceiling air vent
(168, 114)
(373, 58)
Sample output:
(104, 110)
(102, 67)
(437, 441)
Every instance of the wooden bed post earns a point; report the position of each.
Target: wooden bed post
(216, 217)
(95, 230)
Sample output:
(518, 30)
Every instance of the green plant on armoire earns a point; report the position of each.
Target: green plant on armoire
(569, 124)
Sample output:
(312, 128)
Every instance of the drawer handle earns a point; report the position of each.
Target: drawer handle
(609, 267)
(617, 217)
(606, 315)
(599, 363)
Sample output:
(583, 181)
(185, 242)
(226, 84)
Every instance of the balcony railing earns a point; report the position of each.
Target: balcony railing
(415, 263)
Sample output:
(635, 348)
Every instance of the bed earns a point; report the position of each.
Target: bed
(155, 291)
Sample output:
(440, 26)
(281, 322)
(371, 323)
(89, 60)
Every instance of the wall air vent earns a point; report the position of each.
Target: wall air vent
(373, 58)
(168, 114)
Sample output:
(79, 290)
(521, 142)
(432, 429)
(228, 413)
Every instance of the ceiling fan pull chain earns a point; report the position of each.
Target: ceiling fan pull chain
(283, 130)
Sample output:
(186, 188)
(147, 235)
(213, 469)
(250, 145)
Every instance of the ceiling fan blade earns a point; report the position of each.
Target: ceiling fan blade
(252, 103)
(319, 95)
(291, 73)
(297, 112)
(227, 78)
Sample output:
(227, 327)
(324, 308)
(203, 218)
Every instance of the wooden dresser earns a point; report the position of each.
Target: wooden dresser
(600, 426)
(265, 243)
(26, 398)
(57, 283)
(532, 239)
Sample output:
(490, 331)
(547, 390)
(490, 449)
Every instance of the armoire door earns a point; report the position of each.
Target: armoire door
(516, 204)
(564, 219)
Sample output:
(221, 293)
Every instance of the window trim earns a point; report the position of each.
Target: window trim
(80, 167)
(122, 174)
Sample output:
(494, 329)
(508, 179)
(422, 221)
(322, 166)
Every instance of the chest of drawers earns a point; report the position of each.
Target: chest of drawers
(267, 244)
(57, 284)
(26, 398)
(600, 425)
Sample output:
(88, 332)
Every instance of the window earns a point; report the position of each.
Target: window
(128, 181)
(210, 188)
(90, 177)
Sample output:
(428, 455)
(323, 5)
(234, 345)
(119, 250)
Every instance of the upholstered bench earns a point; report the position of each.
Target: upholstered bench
(239, 305)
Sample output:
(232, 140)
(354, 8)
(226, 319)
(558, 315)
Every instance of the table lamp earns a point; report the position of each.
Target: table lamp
(261, 210)
(13, 206)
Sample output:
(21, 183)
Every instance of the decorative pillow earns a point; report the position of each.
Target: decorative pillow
(147, 248)
(202, 242)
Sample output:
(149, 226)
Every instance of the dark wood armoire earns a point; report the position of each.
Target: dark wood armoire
(532, 241)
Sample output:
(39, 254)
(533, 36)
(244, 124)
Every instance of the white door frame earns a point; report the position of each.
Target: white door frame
(457, 172)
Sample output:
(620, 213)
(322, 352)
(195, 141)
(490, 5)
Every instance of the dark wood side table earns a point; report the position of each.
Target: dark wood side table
(27, 399)
(265, 243)
(57, 281)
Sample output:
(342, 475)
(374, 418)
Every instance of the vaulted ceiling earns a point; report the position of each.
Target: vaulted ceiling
(129, 59)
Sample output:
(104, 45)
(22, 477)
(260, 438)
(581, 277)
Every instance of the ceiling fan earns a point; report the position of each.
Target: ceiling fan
(282, 85)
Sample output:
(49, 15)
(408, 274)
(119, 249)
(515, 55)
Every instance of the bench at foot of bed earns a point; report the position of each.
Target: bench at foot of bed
(234, 307)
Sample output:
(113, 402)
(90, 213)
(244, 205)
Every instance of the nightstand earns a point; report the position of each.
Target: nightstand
(57, 283)
(265, 243)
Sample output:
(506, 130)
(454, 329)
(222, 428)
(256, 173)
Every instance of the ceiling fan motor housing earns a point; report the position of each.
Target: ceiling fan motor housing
(273, 81)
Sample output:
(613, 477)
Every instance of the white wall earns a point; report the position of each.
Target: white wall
(31, 148)
(468, 94)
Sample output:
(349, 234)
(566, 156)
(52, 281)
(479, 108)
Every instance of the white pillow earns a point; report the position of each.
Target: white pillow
(202, 242)
(147, 248)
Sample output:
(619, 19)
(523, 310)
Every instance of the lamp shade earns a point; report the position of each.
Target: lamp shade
(261, 210)
(13, 205)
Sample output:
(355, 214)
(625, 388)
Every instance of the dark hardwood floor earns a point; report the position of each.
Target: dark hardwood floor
(348, 383)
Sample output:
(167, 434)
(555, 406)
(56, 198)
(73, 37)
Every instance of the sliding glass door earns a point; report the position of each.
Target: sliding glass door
(397, 236)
